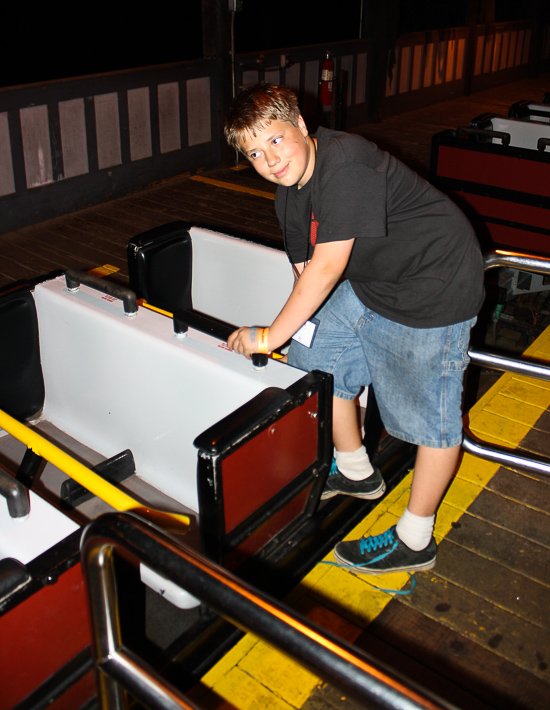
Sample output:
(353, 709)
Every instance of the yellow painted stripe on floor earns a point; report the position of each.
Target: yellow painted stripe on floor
(505, 414)
(232, 186)
(104, 270)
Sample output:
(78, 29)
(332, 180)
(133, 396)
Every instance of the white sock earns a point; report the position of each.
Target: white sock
(354, 465)
(415, 531)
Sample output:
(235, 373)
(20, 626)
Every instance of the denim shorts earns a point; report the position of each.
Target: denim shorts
(416, 373)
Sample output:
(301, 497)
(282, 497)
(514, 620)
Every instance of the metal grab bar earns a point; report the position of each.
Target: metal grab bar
(120, 669)
(504, 363)
(16, 495)
(185, 319)
(504, 456)
(503, 137)
(73, 279)
(516, 260)
(519, 366)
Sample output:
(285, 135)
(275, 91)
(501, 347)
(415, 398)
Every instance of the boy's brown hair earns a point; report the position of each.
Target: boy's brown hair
(255, 107)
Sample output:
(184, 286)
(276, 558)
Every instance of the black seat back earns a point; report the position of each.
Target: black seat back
(160, 265)
(21, 379)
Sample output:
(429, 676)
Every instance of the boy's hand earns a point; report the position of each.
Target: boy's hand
(244, 341)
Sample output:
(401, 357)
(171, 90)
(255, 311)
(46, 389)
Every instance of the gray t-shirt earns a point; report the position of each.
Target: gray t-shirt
(415, 259)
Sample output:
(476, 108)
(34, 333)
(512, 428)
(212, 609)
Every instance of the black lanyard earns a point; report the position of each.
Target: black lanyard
(308, 236)
(310, 220)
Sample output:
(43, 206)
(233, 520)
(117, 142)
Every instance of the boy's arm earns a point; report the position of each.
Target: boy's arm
(315, 283)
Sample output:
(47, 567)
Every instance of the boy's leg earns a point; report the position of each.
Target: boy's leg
(434, 384)
(434, 469)
(433, 472)
(352, 472)
(346, 433)
(410, 544)
(337, 350)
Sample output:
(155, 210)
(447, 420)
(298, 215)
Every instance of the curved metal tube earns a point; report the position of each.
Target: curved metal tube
(505, 457)
(522, 366)
(504, 363)
(16, 494)
(74, 278)
(523, 262)
(230, 598)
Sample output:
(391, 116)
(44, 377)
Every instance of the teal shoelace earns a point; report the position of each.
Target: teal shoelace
(378, 542)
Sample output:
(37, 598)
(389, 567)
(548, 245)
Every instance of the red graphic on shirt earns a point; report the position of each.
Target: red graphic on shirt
(314, 225)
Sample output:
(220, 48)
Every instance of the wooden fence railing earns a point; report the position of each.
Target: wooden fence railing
(68, 144)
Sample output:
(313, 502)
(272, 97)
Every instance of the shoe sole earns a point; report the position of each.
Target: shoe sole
(364, 496)
(363, 569)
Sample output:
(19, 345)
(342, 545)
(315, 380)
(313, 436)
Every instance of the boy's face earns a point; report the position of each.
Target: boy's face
(281, 152)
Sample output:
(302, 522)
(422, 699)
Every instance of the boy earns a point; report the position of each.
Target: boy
(410, 278)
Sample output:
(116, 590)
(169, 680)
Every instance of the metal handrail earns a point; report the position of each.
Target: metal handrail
(119, 669)
(505, 363)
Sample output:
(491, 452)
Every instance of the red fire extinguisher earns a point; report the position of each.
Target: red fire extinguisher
(327, 75)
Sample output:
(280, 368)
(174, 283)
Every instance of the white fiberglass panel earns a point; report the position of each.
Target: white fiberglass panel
(26, 538)
(116, 383)
(523, 134)
(538, 110)
(238, 281)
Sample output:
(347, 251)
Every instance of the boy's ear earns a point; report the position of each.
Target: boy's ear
(302, 126)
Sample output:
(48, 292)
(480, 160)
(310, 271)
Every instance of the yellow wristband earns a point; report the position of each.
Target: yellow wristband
(262, 340)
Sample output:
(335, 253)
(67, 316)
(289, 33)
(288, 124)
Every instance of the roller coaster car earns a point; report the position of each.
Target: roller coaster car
(498, 171)
(160, 409)
(531, 110)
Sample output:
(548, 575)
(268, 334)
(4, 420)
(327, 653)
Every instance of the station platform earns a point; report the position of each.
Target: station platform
(476, 629)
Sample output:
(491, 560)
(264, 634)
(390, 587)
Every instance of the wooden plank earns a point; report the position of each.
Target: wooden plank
(501, 632)
(61, 242)
(86, 239)
(12, 270)
(538, 442)
(513, 550)
(83, 253)
(326, 697)
(543, 423)
(34, 254)
(521, 488)
(486, 676)
(524, 597)
(531, 524)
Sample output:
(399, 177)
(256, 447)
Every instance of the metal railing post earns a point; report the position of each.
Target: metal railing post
(237, 602)
(504, 363)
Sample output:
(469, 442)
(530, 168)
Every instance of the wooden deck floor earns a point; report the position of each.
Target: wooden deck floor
(477, 628)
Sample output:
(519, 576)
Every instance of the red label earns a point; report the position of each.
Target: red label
(314, 225)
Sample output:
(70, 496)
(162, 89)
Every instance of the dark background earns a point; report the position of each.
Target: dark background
(65, 40)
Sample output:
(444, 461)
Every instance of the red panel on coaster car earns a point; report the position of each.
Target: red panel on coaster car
(498, 171)
(261, 470)
(280, 463)
(45, 632)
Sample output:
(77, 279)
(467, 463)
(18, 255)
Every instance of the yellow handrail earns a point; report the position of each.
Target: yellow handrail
(172, 522)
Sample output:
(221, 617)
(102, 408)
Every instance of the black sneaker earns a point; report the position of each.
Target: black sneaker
(337, 483)
(379, 554)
